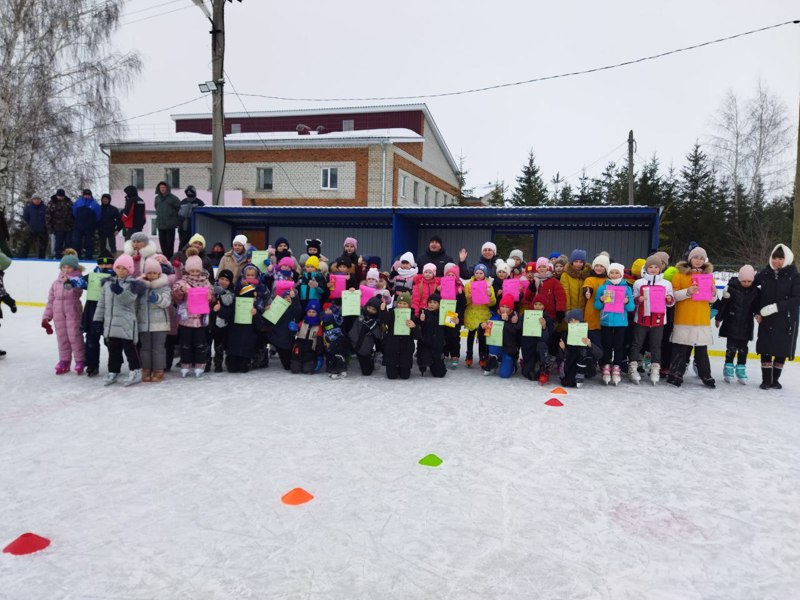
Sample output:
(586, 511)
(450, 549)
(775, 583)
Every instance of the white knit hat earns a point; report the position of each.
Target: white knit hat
(617, 267)
(501, 265)
(489, 245)
(601, 259)
(408, 257)
(240, 239)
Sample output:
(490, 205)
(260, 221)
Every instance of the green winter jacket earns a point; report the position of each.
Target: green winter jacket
(167, 208)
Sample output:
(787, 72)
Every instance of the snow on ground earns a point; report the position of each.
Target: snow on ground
(173, 490)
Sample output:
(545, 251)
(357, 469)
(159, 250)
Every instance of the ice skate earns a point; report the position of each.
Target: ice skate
(709, 382)
(655, 373)
(579, 380)
(606, 374)
(92, 371)
(110, 379)
(453, 363)
(133, 378)
(79, 367)
(727, 372)
(185, 372)
(616, 374)
(198, 372)
(62, 367)
(741, 374)
(633, 372)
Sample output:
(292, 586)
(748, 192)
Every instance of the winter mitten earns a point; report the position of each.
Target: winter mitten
(176, 262)
(769, 309)
(152, 298)
(97, 327)
(78, 282)
(47, 327)
(138, 287)
(293, 326)
(116, 287)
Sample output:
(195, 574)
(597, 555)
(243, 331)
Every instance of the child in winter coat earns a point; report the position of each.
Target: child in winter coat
(573, 278)
(104, 269)
(579, 361)
(64, 307)
(367, 333)
(308, 344)
(735, 312)
(401, 278)
(535, 349)
(613, 325)
(503, 359)
(424, 285)
(431, 338)
(649, 325)
(153, 318)
(115, 317)
(192, 326)
(5, 297)
(311, 285)
(398, 349)
(544, 283)
(692, 321)
(139, 248)
(476, 314)
(222, 314)
(281, 335)
(337, 344)
(778, 315)
(452, 335)
(243, 336)
(596, 278)
(502, 272)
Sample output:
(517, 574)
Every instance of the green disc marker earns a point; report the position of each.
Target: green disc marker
(431, 461)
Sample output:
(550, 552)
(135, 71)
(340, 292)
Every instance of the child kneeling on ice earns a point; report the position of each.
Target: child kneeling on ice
(337, 346)
(579, 361)
(115, 318)
(431, 339)
(613, 324)
(503, 359)
(535, 349)
(367, 333)
(398, 348)
(308, 343)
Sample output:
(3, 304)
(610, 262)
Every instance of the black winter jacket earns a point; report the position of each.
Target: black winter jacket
(777, 333)
(737, 310)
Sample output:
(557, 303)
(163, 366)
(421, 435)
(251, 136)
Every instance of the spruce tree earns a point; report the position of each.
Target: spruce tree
(531, 189)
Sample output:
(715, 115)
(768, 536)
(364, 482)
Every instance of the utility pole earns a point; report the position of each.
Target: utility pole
(218, 110)
(796, 217)
(631, 142)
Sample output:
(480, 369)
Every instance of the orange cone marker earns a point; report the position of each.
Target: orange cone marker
(559, 390)
(296, 496)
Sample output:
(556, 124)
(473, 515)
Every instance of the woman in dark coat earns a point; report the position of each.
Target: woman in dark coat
(778, 315)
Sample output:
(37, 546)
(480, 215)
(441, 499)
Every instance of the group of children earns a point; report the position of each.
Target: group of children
(559, 315)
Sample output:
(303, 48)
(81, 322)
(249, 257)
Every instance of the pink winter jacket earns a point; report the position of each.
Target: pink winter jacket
(64, 305)
(420, 292)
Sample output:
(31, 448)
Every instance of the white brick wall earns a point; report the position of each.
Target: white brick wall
(408, 200)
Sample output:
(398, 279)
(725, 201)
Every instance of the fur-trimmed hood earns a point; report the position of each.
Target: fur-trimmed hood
(582, 274)
(683, 267)
(162, 281)
(146, 252)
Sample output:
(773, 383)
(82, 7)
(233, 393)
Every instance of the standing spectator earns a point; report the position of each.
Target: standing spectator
(167, 207)
(34, 216)
(435, 254)
(86, 211)
(59, 221)
(109, 225)
(133, 214)
(188, 204)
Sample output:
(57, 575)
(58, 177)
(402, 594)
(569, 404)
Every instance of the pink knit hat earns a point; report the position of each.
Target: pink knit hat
(454, 270)
(747, 273)
(194, 263)
(429, 267)
(286, 261)
(373, 274)
(125, 260)
(352, 241)
(151, 265)
(542, 262)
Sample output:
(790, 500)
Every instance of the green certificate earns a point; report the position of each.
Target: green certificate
(258, 258)
(531, 327)
(401, 315)
(275, 310)
(446, 306)
(496, 334)
(351, 303)
(576, 332)
(93, 288)
(243, 312)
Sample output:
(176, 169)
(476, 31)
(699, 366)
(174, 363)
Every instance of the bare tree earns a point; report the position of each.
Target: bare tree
(750, 143)
(58, 99)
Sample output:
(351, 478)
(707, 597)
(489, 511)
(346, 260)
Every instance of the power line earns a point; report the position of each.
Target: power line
(174, 10)
(147, 114)
(536, 79)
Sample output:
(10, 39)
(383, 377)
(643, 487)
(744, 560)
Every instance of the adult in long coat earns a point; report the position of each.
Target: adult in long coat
(167, 206)
(778, 306)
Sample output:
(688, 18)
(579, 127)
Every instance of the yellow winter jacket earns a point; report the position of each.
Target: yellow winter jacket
(475, 314)
(688, 311)
(572, 282)
(590, 314)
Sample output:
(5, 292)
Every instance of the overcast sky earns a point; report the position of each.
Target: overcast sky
(349, 48)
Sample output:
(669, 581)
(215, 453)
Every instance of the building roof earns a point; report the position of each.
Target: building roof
(202, 141)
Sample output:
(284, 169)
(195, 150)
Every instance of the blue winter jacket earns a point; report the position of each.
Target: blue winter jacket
(34, 216)
(86, 212)
(609, 319)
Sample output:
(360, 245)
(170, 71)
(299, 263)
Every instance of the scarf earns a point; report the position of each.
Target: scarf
(407, 272)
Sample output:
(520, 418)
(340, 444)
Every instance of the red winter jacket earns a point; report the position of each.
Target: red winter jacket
(420, 292)
(553, 291)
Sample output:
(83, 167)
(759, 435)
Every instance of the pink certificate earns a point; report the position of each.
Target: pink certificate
(447, 288)
(655, 299)
(480, 292)
(339, 283)
(366, 293)
(511, 288)
(197, 301)
(618, 299)
(706, 292)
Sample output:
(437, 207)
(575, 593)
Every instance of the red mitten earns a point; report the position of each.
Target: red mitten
(176, 262)
(47, 327)
(137, 257)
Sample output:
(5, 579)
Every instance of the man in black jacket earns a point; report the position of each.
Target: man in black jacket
(188, 204)
(133, 215)
(34, 217)
(109, 224)
(436, 254)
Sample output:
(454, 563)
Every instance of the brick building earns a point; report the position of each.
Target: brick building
(367, 156)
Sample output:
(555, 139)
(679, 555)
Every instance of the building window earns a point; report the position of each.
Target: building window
(330, 178)
(173, 178)
(427, 196)
(416, 192)
(264, 179)
(348, 125)
(137, 178)
(209, 172)
(403, 179)
(436, 198)
(444, 200)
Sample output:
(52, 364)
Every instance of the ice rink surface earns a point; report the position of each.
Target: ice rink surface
(174, 490)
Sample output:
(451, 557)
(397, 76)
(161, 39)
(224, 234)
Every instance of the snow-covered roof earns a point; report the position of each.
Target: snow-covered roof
(310, 111)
